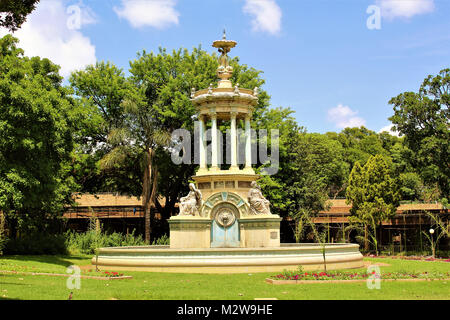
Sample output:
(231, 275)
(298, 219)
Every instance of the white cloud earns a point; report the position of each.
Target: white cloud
(153, 13)
(266, 15)
(343, 117)
(47, 34)
(404, 8)
(389, 130)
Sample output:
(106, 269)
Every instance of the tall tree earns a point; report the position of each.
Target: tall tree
(36, 123)
(423, 118)
(164, 82)
(310, 164)
(101, 89)
(374, 196)
(13, 13)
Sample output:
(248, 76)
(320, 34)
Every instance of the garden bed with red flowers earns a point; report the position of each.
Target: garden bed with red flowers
(414, 258)
(105, 275)
(292, 277)
(115, 275)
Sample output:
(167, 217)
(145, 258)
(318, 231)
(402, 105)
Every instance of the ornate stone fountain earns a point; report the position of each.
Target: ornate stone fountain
(227, 209)
(225, 224)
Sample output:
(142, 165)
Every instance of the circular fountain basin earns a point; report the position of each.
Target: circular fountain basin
(229, 260)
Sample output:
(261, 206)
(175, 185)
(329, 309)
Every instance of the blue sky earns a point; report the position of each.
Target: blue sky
(318, 56)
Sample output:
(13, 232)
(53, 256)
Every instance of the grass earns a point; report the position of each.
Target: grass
(205, 286)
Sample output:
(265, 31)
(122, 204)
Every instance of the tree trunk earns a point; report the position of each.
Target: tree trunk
(146, 193)
(2, 229)
(152, 202)
(366, 241)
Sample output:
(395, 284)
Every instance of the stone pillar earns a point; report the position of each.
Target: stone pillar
(248, 143)
(202, 147)
(214, 141)
(233, 141)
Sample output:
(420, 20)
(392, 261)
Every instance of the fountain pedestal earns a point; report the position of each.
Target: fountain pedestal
(190, 232)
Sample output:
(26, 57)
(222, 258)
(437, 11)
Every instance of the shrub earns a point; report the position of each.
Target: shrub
(89, 241)
(2, 243)
(2, 233)
(37, 244)
(69, 242)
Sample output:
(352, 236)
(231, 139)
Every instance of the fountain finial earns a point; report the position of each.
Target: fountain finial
(224, 71)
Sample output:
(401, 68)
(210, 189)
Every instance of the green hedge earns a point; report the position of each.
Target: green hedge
(37, 244)
(68, 243)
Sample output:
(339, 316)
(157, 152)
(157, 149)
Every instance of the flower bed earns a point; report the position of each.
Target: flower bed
(106, 275)
(301, 276)
(112, 274)
(414, 258)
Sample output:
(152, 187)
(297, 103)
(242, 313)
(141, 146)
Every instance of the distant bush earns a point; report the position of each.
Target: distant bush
(69, 242)
(2, 243)
(88, 241)
(162, 241)
(36, 244)
(2, 233)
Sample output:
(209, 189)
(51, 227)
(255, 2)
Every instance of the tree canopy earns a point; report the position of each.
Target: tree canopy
(36, 124)
(373, 194)
(13, 13)
(423, 118)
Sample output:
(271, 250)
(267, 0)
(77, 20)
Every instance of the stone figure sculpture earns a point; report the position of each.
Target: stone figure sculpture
(223, 59)
(236, 89)
(258, 204)
(190, 205)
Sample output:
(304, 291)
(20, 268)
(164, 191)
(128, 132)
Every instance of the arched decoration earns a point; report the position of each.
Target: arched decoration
(214, 203)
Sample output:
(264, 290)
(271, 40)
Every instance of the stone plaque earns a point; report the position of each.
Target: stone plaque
(274, 235)
(218, 184)
(244, 184)
(204, 185)
(229, 184)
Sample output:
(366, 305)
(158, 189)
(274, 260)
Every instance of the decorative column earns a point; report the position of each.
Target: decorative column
(202, 148)
(233, 141)
(248, 143)
(214, 150)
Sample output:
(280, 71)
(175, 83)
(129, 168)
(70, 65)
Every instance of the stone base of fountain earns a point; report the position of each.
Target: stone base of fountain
(229, 260)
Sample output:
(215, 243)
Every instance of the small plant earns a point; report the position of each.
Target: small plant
(440, 227)
(162, 241)
(94, 222)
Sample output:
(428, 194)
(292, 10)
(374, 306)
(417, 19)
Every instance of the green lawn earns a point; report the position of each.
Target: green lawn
(204, 286)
